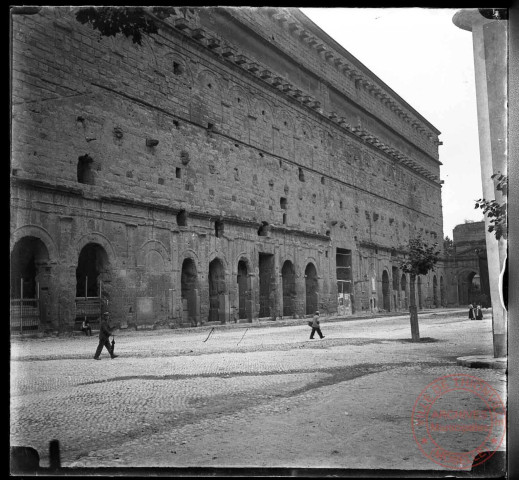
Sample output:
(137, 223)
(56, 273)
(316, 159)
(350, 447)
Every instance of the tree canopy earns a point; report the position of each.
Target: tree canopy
(420, 257)
(132, 22)
(495, 211)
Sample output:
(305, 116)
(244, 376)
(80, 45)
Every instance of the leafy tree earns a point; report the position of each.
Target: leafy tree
(495, 211)
(448, 246)
(132, 22)
(420, 259)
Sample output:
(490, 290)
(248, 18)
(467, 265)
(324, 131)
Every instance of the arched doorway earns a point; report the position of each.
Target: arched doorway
(436, 300)
(396, 287)
(92, 277)
(312, 289)
(243, 290)
(386, 299)
(403, 288)
(267, 286)
(189, 292)
(419, 288)
(443, 303)
(288, 276)
(29, 260)
(92, 264)
(217, 288)
(468, 288)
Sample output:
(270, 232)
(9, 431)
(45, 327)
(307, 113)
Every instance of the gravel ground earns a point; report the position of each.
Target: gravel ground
(262, 396)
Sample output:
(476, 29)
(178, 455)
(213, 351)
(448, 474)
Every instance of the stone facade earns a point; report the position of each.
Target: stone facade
(238, 165)
(466, 266)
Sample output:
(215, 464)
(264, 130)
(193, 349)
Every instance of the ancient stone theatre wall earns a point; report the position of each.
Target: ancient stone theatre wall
(217, 173)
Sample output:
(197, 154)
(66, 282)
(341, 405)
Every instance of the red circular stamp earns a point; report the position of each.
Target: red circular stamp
(458, 421)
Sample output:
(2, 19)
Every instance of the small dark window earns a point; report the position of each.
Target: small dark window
(218, 228)
(301, 175)
(85, 171)
(178, 172)
(210, 127)
(182, 218)
(209, 85)
(264, 229)
(283, 203)
(177, 68)
(322, 180)
(161, 181)
(177, 125)
(340, 204)
(284, 219)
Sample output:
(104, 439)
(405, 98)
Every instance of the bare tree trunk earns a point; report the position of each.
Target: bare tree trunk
(415, 332)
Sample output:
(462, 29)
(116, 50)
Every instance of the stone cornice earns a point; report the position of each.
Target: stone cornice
(231, 53)
(372, 246)
(343, 59)
(303, 233)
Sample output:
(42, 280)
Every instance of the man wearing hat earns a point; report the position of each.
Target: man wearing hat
(316, 326)
(104, 335)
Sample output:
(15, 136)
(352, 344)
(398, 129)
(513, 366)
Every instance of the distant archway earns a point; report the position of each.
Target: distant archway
(312, 289)
(436, 300)
(403, 288)
(386, 299)
(243, 289)
(29, 275)
(93, 266)
(92, 277)
(217, 288)
(288, 276)
(189, 291)
(468, 288)
(28, 257)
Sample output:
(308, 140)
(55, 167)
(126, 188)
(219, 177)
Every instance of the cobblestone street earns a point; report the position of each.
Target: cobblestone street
(243, 395)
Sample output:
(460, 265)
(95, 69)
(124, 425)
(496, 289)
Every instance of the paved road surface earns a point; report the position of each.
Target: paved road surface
(243, 396)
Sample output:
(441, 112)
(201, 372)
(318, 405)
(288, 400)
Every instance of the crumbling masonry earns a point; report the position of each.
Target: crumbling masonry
(238, 165)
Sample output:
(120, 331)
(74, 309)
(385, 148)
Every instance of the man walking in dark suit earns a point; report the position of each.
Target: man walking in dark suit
(104, 335)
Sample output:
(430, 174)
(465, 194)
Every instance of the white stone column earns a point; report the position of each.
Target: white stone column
(490, 68)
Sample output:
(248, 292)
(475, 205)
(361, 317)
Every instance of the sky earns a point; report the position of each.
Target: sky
(428, 61)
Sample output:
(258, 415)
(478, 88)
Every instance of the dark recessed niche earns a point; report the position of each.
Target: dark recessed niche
(182, 218)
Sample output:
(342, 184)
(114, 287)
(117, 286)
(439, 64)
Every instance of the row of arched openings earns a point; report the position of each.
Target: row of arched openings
(438, 295)
(267, 295)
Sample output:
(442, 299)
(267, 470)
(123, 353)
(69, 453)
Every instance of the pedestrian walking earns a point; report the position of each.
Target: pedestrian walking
(316, 326)
(471, 311)
(104, 337)
(478, 313)
(86, 328)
